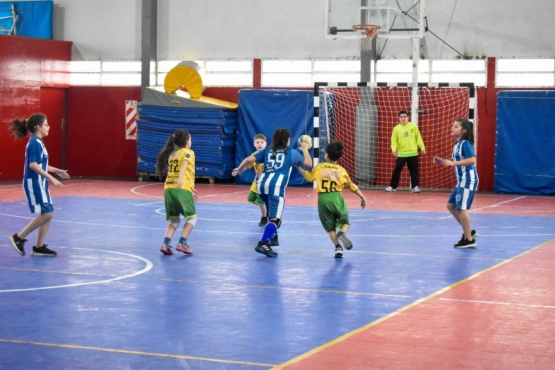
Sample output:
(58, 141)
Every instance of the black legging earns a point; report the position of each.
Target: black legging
(412, 164)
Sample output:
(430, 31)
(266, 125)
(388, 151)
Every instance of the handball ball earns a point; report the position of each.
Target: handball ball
(307, 139)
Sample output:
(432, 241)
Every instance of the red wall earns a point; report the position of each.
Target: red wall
(33, 76)
(96, 144)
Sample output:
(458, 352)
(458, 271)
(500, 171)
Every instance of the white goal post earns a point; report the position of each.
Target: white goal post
(362, 115)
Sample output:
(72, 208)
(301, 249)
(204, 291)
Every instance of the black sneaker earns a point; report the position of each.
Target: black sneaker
(17, 243)
(465, 243)
(474, 236)
(263, 221)
(338, 252)
(274, 242)
(346, 241)
(265, 249)
(43, 251)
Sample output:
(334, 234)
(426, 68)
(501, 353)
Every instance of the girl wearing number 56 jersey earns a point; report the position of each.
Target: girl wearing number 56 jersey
(278, 162)
(330, 179)
(179, 189)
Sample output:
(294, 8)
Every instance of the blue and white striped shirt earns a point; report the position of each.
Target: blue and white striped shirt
(34, 185)
(467, 176)
(277, 170)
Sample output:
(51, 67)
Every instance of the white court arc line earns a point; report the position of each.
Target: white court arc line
(135, 190)
(147, 268)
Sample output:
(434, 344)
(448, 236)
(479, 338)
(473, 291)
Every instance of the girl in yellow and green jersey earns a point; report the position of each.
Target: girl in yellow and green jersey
(253, 197)
(179, 189)
(330, 179)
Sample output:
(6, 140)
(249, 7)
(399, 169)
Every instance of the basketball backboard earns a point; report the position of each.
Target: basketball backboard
(396, 18)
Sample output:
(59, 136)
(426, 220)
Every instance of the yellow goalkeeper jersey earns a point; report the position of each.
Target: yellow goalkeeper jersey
(406, 139)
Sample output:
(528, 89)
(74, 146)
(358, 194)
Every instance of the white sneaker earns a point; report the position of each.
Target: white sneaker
(390, 189)
(416, 189)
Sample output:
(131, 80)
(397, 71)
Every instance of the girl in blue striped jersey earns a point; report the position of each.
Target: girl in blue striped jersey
(464, 161)
(278, 162)
(36, 176)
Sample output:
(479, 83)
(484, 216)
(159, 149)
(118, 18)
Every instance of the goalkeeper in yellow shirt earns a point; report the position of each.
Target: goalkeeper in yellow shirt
(330, 179)
(405, 142)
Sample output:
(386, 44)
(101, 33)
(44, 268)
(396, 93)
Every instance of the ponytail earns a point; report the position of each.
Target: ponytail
(178, 139)
(21, 127)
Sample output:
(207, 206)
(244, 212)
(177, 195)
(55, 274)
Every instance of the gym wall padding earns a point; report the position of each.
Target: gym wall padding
(525, 146)
(261, 112)
(212, 132)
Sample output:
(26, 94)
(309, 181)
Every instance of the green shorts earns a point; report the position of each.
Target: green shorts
(179, 202)
(255, 198)
(332, 211)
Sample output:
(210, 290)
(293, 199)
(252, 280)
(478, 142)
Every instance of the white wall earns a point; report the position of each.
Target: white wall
(294, 29)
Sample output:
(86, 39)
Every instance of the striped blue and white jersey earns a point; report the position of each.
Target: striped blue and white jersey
(277, 170)
(34, 185)
(467, 176)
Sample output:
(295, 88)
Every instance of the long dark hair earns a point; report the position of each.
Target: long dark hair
(21, 127)
(179, 139)
(468, 128)
(280, 139)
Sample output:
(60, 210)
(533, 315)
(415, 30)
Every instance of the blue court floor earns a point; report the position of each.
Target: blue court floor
(111, 300)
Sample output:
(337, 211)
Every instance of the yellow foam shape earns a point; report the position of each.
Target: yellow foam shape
(184, 76)
(223, 103)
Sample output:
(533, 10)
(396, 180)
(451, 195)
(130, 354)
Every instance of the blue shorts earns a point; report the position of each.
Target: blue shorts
(274, 205)
(462, 198)
(41, 208)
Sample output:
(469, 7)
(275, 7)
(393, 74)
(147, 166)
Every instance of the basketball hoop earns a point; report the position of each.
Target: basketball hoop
(368, 33)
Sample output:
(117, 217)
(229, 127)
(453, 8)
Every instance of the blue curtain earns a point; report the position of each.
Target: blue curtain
(261, 112)
(26, 18)
(525, 142)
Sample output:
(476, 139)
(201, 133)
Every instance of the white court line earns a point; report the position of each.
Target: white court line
(134, 191)
(136, 188)
(91, 223)
(147, 268)
(217, 195)
(490, 206)
(498, 204)
(497, 303)
(161, 211)
(5, 188)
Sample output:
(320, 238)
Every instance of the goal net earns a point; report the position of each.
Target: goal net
(363, 117)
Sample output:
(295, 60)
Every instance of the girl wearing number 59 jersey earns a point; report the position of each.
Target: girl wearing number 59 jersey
(179, 188)
(330, 179)
(278, 162)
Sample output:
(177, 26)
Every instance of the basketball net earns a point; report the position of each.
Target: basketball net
(368, 32)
